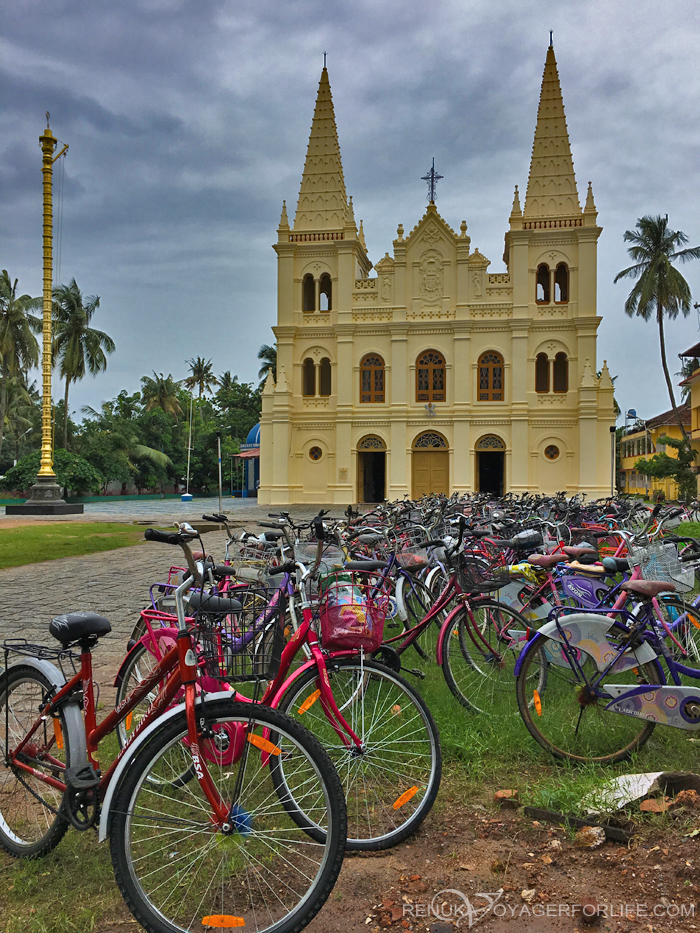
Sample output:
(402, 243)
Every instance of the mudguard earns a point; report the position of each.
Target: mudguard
(588, 632)
(73, 718)
(657, 703)
(132, 750)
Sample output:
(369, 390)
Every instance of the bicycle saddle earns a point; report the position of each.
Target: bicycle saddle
(546, 560)
(72, 626)
(648, 588)
(365, 565)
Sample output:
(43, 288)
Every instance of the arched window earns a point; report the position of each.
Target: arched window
(491, 382)
(561, 373)
(372, 378)
(542, 373)
(561, 283)
(542, 292)
(308, 294)
(308, 377)
(430, 377)
(325, 292)
(324, 377)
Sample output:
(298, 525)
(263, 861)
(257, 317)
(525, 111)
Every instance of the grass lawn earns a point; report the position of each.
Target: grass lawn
(30, 543)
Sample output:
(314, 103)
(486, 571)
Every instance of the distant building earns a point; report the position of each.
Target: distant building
(643, 443)
(250, 457)
(435, 375)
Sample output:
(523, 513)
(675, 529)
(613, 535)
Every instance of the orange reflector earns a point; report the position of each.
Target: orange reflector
(309, 702)
(129, 719)
(404, 798)
(58, 732)
(454, 631)
(222, 920)
(694, 621)
(538, 702)
(262, 743)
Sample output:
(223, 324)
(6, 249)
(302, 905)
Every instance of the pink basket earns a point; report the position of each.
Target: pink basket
(352, 615)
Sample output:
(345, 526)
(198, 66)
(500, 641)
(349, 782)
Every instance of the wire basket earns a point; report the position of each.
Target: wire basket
(332, 557)
(413, 558)
(252, 559)
(472, 570)
(245, 645)
(660, 562)
(352, 612)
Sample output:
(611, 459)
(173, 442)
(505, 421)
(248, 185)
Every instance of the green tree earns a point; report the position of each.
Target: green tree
(77, 347)
(161, 392)
(688, 367)
(201, 376)
(72, 472)
(660, 290)
(19, 349)
(22, 414)
(661, 466)
(268, 355)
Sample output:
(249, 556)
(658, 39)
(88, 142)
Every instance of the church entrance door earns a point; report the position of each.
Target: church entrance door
(490, 468)
(371, 476)
(430, 465)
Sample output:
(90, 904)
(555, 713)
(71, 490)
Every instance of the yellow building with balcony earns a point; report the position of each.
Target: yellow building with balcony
(643, 444)
(434, 374)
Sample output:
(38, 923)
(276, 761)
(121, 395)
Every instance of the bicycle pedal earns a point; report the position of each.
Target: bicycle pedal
(81, 779)
(414, 671)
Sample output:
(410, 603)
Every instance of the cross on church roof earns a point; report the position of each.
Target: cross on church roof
(432, 178)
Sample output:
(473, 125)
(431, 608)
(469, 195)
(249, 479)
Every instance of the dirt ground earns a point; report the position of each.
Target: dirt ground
(429, 883)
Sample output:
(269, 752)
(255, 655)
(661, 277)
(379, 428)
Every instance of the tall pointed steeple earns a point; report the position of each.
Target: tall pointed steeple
(322, 201)
(551, 187)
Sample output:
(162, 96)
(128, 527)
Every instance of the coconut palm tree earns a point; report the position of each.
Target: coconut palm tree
(160, 392)
(201, 376)
(77, 347)
(18, 346)
(268, 355)
(660, 291)
(226, 381)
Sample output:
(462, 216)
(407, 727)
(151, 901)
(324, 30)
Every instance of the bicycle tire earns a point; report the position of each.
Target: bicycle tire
(182, 879)
(403, 749)
(479, 670)
(33, 819)
(687, 633)
(568, 724)
(416, 600)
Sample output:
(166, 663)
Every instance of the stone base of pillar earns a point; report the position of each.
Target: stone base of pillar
(45, 499)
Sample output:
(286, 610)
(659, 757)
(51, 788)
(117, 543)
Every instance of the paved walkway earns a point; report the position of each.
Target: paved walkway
(112, 583)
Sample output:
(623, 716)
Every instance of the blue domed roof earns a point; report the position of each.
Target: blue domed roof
(254, 436)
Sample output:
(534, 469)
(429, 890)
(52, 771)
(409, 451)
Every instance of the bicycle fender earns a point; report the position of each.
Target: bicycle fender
(588, 633)
(130, 753)
(77, 746)
(443, 632)
(518, 663)
(168, 632)
(274, 700)
(400, 602)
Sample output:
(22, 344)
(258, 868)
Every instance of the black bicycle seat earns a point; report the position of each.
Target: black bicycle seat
(72, 626)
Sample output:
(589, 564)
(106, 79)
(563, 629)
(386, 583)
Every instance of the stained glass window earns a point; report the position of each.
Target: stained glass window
(372, 378)
(430, 377)
(491, 377)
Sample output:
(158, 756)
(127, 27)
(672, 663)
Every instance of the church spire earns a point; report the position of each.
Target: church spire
(322, 201)
(551, 187)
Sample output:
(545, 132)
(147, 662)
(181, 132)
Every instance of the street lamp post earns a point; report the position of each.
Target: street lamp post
(45, 498)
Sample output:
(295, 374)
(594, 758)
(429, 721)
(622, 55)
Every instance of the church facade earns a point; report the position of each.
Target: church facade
(433, 374)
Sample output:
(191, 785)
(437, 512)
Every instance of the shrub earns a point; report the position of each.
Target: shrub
(72, 472)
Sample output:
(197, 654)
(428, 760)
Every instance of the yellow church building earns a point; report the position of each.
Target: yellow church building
(435, 375)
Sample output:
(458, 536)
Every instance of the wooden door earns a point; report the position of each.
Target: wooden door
(430, 472)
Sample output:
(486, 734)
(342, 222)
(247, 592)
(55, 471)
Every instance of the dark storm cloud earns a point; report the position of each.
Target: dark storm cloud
(188, 124)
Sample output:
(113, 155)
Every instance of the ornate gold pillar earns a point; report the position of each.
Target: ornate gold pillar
(48, 144)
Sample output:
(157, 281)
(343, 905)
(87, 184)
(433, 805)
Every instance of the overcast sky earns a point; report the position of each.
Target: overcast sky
(188, 122)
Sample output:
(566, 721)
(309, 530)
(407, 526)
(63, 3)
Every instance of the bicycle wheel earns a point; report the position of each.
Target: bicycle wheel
(417, 600)
(568, 720)
(478, 657)
(32, 818)
(178, 872)
(684, 621)
(140, 664)
(391, 785)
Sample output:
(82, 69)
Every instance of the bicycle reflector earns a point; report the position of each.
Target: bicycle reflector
(222, 920)
(404, 798)
(58, 733)
(309, 702)
(538, 702)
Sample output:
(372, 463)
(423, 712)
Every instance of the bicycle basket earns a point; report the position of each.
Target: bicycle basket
(413, 558)
(660, 562)
(252, 560)
(472, 570)
(352, 613)
(244, 645)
